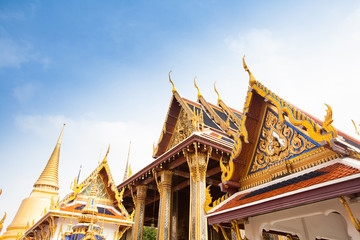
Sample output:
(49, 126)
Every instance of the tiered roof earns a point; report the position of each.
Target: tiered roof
(110, 197)
(109, 205)
(201, 115)
(283, 157)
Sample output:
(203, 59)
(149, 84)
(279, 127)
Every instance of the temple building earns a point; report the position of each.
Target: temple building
(91, 211)
(270, 171)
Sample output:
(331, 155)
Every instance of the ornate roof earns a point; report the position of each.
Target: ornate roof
(185, 117)
(321, 182)
(282, 157)
(108, 193)
(275, 138)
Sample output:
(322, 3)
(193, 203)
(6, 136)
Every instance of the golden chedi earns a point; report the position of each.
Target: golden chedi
(45, 190)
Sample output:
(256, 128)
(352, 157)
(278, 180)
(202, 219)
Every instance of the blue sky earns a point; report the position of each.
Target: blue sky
(101, 67)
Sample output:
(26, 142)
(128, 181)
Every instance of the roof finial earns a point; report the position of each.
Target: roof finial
(126, 174)
(217, 92)
(2, 222)
(356, 129)
(107, 152)
(252, 80)
(199, 94)
(173, 90)
(78, 177)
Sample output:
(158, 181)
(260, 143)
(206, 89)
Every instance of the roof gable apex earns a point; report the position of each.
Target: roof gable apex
(108, 190)
(258, 96)
(176, 105)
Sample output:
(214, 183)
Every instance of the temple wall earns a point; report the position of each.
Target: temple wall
(327, 219)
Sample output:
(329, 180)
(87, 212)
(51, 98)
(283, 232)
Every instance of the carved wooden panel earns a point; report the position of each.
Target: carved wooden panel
(278, 142)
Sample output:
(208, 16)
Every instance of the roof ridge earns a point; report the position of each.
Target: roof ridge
(344, 161)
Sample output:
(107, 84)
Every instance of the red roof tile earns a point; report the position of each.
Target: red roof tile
(321, 175)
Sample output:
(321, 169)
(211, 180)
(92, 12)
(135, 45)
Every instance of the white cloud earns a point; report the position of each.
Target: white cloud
(11, 54)
(15, 53)
(25, 92)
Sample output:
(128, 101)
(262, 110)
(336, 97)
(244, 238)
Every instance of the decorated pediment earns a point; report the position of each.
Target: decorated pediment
(178, 109)
(274, 138)
(183, 128)
(278, 142)
(107, 194)
(102, 190)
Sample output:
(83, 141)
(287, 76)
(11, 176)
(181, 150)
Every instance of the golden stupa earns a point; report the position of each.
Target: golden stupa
(45, 190)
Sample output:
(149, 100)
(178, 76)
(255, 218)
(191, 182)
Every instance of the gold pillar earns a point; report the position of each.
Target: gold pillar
(139, 212)
(197, 162)
(165, 207)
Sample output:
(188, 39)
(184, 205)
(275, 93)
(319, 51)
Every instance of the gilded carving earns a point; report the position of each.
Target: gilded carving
(278, 142)
(356, 129)
(173, 89)
(3, 219)
(102, 193)
(228, 169)
(235, 228)
(156, 180)
(198, 121)
(197, 163)
(217, 226)
(61, 229)
(2, 222)
(133, 197)
(85, 187)
(318, 133)
(289, 237)
(119, 233)
(208, 200)
(52, 226)
(354, 220)
(183, 128)
(295, 116)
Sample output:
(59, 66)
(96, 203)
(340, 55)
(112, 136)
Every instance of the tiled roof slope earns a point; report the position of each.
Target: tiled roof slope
(335, 171)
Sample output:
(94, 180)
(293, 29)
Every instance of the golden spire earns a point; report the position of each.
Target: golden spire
(199, 94)
(49, 176)
(126, 173)
(173, 90)
(46, 190)
(252, 80)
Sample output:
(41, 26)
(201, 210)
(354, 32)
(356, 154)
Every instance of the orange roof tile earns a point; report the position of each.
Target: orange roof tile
(325, 174)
